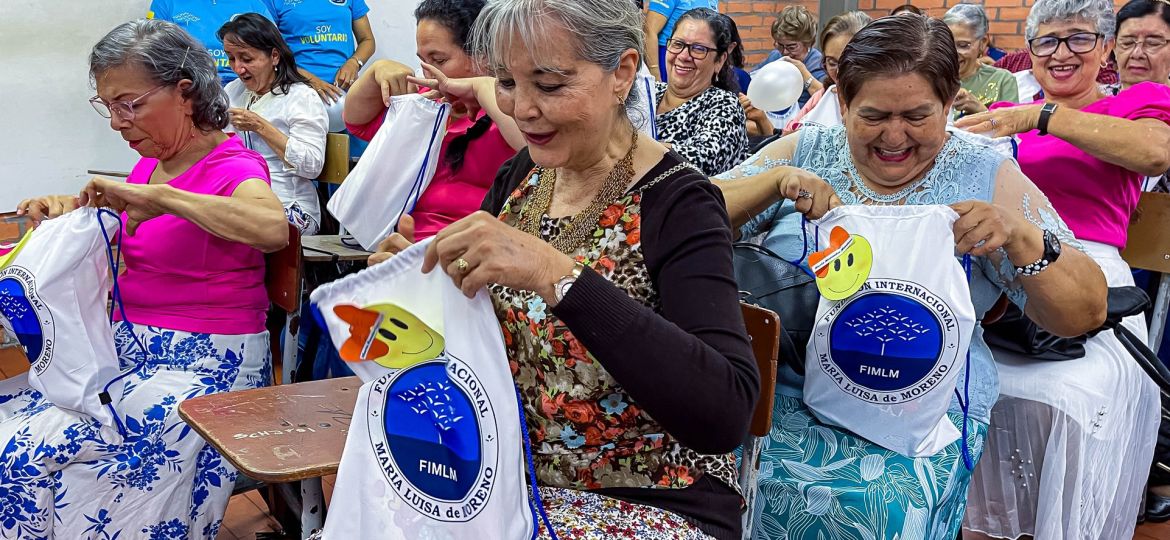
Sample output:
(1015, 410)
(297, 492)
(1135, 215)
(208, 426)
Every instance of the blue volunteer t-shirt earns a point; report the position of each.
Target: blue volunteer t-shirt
(319, 32)
(673, 10)
(203, 19)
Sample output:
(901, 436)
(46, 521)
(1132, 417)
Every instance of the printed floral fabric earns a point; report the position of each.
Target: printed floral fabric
(581, 515)
(818, 483)
(63, 475)
(586, 431)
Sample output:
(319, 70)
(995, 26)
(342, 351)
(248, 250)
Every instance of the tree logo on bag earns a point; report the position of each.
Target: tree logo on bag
(892, 342)
(432, 425)
(24, 315)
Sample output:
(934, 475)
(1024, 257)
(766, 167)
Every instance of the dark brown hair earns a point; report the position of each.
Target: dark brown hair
(893, 46)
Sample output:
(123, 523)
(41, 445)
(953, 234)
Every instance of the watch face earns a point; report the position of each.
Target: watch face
(1052, 242)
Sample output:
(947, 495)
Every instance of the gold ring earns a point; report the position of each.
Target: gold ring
(462, 264)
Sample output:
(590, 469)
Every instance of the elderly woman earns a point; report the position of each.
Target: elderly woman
(982, 84)
(330, 40)
(698, 114)
(202, 19)
(277, 114)
(639, 382)
(793, 34)
(661, 19)
(1079, 456)
(837, 33)
(478, 139)
(897, 79)
(199, 216)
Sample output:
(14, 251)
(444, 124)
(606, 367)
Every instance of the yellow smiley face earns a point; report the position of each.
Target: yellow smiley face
(387, 335)
(842, 268)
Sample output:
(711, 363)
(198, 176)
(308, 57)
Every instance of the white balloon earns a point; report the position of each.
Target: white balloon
(336, 124)
(776, 86)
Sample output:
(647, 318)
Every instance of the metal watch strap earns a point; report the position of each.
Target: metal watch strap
(1045, 115)
(562, 285)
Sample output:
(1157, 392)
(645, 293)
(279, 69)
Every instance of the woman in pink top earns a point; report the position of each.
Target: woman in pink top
(198, 216)
(477, 142)
(1069, 457)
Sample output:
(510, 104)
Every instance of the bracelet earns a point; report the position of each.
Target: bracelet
(358, 60)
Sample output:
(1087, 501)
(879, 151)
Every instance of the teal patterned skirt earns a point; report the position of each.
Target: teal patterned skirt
(819, 482)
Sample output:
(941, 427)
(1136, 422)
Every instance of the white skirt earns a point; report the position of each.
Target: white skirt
(1071, 442)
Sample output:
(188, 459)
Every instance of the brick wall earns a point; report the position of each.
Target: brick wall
(754, 19)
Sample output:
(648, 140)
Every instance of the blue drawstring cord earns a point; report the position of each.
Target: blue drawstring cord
(535, 504)
(116, 296)
(420, 178)
(965, 399)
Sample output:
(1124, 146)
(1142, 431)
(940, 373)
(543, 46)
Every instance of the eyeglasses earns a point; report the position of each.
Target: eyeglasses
(1078, 43)
(698, 52)
(1150, 44)
(964, 46)
(124, 109)
(791, 48)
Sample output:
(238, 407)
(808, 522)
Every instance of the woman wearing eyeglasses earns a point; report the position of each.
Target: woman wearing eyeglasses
(699, 114)
(199, 216)
(1071, 444)
(982, 84)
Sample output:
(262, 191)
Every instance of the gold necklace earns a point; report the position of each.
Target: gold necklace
(579, 228)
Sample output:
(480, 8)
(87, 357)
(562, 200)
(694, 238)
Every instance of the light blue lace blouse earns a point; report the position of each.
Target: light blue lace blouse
(964, 170)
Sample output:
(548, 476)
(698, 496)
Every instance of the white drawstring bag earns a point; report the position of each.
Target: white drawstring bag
(53, 290)
(434, 450)
(394, 170)
(885, 354)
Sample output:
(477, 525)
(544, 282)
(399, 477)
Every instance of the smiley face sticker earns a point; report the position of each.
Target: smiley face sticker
(842, 268)
(387, 335)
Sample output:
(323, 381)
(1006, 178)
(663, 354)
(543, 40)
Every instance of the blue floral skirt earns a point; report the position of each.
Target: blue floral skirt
(819, 482)
(63, 475)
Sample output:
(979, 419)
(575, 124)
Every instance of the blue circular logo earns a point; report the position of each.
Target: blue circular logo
(886, 342)
(21, 317)
(432, 432)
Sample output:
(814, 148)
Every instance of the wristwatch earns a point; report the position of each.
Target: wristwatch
(358, 60)
(1051, 253)
(561, 287)
(1045, 115)
(808, 82)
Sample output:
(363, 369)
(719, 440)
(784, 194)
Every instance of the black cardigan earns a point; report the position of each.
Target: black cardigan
(689, 366)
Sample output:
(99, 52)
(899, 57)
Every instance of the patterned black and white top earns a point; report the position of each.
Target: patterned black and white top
(709, 130)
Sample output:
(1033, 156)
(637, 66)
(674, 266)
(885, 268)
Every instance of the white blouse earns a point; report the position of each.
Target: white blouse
(301, 116)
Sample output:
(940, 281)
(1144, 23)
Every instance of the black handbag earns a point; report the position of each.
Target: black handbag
(769, 281)
(1015, 332)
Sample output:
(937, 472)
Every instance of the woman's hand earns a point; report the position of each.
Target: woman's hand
(461, 93)
(1001, 122)
(967, 104)
(245, 120)
(328, 92)
(813, 196)
(983, 228)
(346, 74)
(50, 206)
(753, 114)
(804, 72)
(391, 78)
(394, 244)
(140, 202)
(479, 250)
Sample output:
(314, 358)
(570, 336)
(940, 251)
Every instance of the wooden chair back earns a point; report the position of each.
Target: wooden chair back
(1148, 247)
(336, 166)
(282, 273)
(763, 327)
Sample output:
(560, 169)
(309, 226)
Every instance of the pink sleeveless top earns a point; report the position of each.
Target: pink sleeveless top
(179, 276)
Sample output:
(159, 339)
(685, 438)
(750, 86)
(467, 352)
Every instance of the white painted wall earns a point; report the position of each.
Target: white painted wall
(49, 134)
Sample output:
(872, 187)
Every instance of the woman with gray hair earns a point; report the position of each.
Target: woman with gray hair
(1073, 463)
(199, 215)
(982, 84)
(608, 259)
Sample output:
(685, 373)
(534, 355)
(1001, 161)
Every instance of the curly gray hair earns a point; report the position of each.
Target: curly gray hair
(970, 15)
(168, 54)
(1098, 12)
